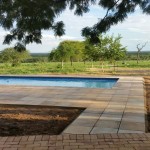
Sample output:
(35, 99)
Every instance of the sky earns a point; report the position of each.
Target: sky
(134, 30)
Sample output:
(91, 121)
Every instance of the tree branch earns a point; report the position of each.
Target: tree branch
(110, 9)
(140, 48)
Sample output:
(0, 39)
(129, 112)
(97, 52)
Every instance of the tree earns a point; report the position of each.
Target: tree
(25, 19)
(67, 51)
(52, 55)
(102, 48)
(91, 53)
(62, 53)
(110, 48)
(115, 51)
(10, 55)
(139, 50)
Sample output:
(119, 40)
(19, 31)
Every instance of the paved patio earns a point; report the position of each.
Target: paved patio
(117, 110)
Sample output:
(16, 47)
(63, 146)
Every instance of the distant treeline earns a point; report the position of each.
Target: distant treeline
(37, 57)
(144, 55)
(39, 54)
(131, 55)
(128, 53)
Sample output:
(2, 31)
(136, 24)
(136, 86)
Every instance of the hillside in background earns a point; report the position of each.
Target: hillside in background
(128, 53)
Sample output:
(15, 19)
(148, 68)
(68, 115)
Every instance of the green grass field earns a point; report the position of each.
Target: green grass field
(128, 68)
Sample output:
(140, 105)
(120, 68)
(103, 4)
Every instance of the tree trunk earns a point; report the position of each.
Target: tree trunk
(137, 57)
(92, 63)
(114, 66)
(71, 62)
(102, 66)
(62, 64)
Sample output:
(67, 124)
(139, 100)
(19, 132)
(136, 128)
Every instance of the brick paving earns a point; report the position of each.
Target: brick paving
(77, 141)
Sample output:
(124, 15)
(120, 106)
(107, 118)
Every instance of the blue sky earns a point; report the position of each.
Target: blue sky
(134, 30)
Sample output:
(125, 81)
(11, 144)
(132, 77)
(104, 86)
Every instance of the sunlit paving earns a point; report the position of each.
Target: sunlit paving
(122, 105)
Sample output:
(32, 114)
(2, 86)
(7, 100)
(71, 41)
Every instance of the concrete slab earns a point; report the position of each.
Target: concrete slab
(133, 126)
(113, 117)
(108, 124)
(77, 130)
(84, 122)
(98, 130)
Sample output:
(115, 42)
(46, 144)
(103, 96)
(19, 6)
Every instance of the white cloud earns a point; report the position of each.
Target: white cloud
(48, 43)
(137, 23)
(52, 37)
(135, 29)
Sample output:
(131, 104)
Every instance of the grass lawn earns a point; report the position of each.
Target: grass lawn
(128, 68)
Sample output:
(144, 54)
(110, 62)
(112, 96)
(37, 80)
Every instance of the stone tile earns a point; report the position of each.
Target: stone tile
(84, 122)
(48, 103)
(117, 103)
(114, 111)
(109, 92)
(115, 106)
(89, 116)
(135, 118)
(119, 99)
(80, 104)
(134, 113)
(132, 126)
(122, 92)
(77, 130)
(108, 124)
(134, 97)
(98, 130)
(135, 108)
(94, 110)
(111, 117)
(103, 98)
(136, 103)
(129, 131)
(28, 98)
(101, 103)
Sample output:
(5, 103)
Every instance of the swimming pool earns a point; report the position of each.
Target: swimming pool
(59, 81)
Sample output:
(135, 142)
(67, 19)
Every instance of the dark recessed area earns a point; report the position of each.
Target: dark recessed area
(16, 120)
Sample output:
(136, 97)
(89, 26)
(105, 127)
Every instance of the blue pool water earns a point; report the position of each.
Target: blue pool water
(59, 81)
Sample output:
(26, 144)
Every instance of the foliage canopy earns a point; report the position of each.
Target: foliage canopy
(67, 51)
(25, 19)
(10, 55)
(110, 49)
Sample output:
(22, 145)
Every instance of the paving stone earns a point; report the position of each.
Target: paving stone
(97, 130)
(77, 130)
(132, 126)
(94, 110)
(89, 116)
(130, 118)
(129, 131)
(108, 124)
(116, 106)
(114, 111)
(110, 117)
(87, 122)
